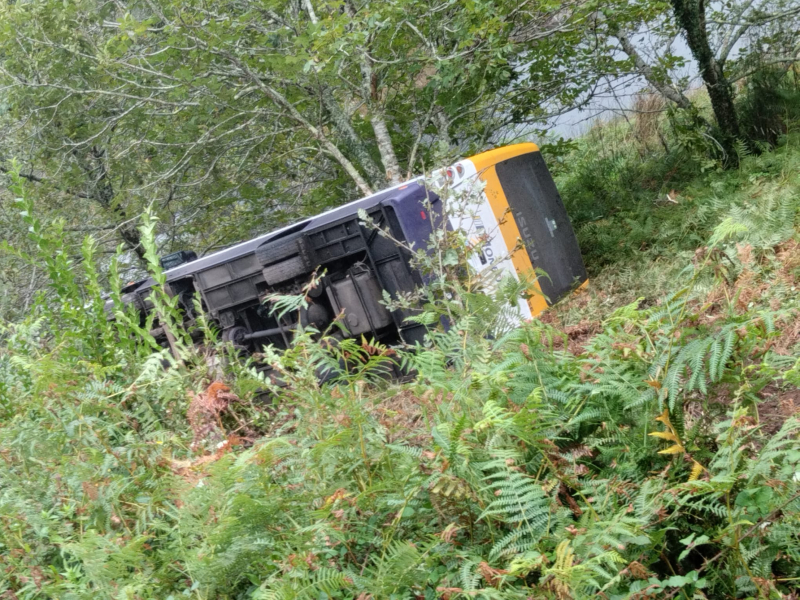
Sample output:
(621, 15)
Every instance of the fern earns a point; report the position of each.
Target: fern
(520, 503)
(324, 581)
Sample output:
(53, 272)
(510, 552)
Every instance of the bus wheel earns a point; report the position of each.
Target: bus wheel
(235, 335)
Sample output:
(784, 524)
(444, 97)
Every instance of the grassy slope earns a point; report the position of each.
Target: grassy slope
(512, 468)
(640, 253)
(639, 249)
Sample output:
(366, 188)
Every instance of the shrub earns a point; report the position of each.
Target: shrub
(768, 105)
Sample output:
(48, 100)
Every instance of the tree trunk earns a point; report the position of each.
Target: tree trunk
(324, 141)
(691, 17)
(369, 84)
(279, 99)
(342, 123)
(443, 129)
(359, 149)
(385, 145)
(309, 8)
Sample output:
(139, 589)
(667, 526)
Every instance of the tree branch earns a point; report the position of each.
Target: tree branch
(36, 179)
(326, 143)
(734, 35)
(647, 72)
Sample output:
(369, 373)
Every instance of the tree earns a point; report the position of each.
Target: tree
(250, 112)
(764, 31)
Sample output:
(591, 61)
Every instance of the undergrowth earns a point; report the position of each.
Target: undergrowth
(651, 460)
(642, 212)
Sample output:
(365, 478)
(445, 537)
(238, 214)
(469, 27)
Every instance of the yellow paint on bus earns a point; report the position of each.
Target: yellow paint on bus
(485, 166)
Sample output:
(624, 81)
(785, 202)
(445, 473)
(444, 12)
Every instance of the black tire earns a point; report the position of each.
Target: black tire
(284, 248)
(135, 300)
(286, 270)
(235, 335)
(285, 259)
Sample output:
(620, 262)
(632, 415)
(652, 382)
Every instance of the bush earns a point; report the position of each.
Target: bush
(768, 104)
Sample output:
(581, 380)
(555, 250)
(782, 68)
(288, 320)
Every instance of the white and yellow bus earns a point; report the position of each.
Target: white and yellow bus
(518, 220)
(521, 222)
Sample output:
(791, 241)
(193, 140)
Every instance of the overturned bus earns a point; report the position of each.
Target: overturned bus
(519, 223)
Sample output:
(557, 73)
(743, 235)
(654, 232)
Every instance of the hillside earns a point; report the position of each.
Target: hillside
(638, 441)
